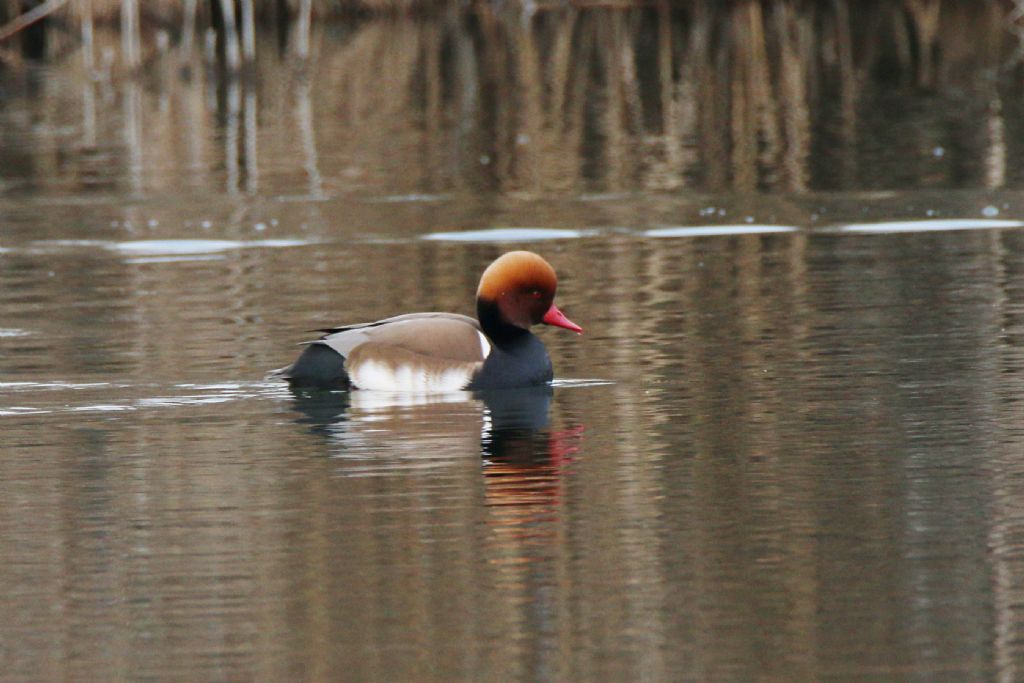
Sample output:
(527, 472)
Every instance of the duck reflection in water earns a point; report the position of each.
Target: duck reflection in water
(525, 469)
(523, 461)
(512, 424)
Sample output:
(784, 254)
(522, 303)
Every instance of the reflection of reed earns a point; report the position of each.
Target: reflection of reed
(232, 50)
(133, 135)
(88, 85)
(251, 146)
(231, 128)
(304, 120)
(575, 99)
(995, 158)
(188, 30)
(302, 28)
(130, 45)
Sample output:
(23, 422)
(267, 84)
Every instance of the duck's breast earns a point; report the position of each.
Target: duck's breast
(523, 362)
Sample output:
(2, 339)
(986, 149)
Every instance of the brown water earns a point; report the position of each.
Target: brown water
(791, 448)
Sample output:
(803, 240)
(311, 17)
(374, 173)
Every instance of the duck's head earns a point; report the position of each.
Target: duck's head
(517, 291)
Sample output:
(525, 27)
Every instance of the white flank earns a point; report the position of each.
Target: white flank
(377, 376)
(485, 344)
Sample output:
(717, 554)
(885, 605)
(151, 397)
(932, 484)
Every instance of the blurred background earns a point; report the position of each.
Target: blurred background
(788, 446)
(514, 98)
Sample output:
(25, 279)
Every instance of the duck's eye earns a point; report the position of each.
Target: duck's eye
(536, 293)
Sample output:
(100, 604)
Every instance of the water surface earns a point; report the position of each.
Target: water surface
(788, 446)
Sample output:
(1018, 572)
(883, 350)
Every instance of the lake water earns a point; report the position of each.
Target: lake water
(790, 445)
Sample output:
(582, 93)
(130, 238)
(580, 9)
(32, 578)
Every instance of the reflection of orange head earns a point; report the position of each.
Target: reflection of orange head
(527, 467)
(525, 487)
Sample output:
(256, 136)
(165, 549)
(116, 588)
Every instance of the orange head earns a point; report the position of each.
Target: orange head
(520, 286)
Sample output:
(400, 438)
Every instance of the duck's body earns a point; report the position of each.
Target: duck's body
(445, 351)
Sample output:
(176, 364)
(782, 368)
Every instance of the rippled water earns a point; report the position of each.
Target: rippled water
(792, 454)
(790, 445)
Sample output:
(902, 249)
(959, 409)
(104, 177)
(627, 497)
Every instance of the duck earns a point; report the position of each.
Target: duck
(443, 352)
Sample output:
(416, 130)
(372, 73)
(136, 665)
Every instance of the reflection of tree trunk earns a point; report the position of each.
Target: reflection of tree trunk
(465, 74)
(232, 56)
(925, 15)
(495, 88)
(248, 31)
(133, 134)
(433, 115)
(231, 126)
(130, 42)
(585, 45)
(528, 92)
(88, 58)
(188, 30)
(995, 150)
(847, 94)
(612, 122)
(792, 101)
(671, 135)
(625, 26)
(251, 138)
(1015, 21)
(304, 119)
(743, 95)
(89, 115)
(767, 137)
(302, 28)
(88, 85)
(195, 125)
(563, 83)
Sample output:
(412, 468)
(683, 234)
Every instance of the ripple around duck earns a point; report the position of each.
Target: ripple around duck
(60, 245)
(55, 386)
(577, 383)
(507, 235)
(105, 397)
(718, 230)
(937, 225)
(175, 259)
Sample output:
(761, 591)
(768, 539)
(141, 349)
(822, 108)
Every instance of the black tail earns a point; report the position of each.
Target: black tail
(318, 366)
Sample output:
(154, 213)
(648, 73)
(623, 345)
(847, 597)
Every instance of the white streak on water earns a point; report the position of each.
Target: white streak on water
(408, 198)
(718, 230)
(508, 235)
(113, 399)
(56, 386)
(576, 383)
(176, 259)
(938, 225)
(189, 247)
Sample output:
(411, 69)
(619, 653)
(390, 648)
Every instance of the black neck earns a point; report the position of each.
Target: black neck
(491, 322)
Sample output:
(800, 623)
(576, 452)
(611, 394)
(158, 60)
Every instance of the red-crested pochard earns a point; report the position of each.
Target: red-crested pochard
(428, 352)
